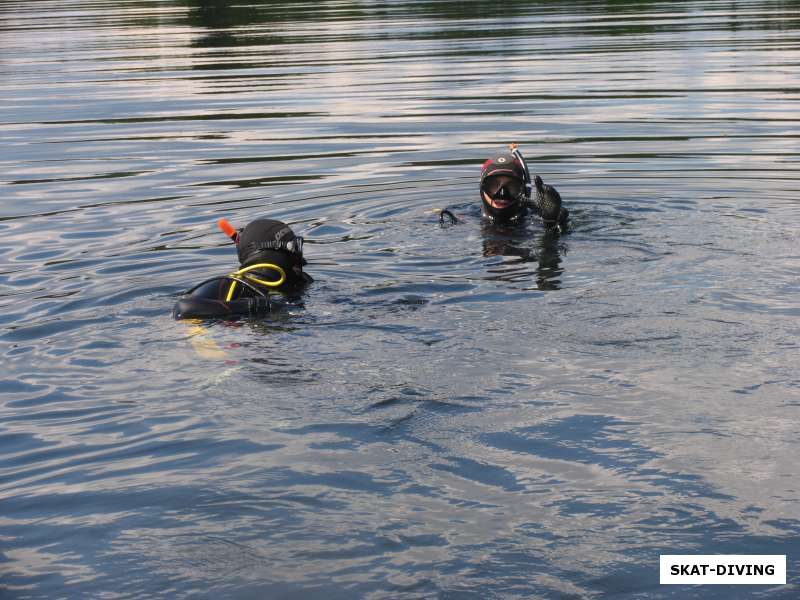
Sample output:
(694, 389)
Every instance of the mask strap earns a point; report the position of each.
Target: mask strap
(515, 151)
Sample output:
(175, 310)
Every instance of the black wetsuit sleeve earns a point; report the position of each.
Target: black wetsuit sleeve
(195, 307)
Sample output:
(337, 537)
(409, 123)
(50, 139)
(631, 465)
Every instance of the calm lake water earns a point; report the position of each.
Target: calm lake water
(452, 412)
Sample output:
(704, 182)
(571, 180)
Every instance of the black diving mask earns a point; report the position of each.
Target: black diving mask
(503, 196)
(504, 190)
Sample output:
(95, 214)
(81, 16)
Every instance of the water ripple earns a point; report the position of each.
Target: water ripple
(464, 411)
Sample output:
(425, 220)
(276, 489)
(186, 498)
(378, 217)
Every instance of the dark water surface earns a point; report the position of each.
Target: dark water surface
(460, 412)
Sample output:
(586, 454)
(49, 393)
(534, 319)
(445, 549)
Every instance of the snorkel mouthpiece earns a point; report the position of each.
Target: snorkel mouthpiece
(228, 229)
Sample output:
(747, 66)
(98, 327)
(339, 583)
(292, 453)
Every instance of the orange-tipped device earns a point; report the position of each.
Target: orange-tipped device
(228, 229)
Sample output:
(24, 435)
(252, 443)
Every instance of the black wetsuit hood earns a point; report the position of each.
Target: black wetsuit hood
(502, 187)
(274, 242)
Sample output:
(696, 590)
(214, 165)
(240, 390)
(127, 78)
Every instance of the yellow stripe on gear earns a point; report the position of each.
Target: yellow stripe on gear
(245, 272)
(230, 291)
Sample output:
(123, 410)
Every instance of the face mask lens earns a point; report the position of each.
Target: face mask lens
(512, 189)
(492, 186)
(502, 187)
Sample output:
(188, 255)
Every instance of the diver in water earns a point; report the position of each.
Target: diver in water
(270, 259)
(508, 196)
(506, 192)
